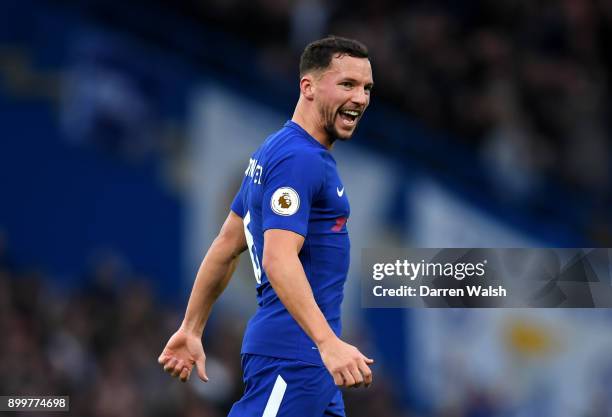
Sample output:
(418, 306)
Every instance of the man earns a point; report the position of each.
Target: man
(290, 213)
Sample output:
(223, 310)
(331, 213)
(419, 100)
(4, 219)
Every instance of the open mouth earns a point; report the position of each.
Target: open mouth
(349, 117)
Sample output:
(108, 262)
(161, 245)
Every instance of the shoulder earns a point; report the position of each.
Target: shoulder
(298, 165)
(308, 159)
(294, 149)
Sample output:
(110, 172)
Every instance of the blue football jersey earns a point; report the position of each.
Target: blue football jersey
(292, 183)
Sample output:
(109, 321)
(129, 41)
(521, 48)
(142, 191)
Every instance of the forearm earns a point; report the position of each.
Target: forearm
(287, 277)
(211, 280)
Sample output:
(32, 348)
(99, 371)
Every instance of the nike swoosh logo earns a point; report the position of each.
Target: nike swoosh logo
(340, 191)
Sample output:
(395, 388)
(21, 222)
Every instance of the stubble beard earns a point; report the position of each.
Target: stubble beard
(328, 115)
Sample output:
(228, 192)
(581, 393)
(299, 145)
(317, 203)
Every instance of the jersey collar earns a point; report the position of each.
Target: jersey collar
(293, 125)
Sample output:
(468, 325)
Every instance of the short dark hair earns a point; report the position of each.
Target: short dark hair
(318, 54)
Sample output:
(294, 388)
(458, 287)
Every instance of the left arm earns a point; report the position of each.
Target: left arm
(347, 365)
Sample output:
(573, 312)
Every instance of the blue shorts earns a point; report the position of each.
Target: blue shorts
(277, 387)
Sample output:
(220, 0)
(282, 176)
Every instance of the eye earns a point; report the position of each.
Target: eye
(346, 84)
(368, 88)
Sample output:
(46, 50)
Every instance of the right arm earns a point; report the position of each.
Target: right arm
(215, 273)
(184, 349)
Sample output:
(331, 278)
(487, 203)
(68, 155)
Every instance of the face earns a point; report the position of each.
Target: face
(342, 93)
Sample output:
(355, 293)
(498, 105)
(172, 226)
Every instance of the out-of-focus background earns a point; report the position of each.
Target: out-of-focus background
(125, 129)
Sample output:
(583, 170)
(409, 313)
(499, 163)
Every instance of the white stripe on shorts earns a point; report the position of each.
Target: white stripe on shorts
(276, 397)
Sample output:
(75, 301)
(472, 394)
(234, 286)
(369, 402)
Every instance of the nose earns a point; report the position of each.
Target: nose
(360, 97)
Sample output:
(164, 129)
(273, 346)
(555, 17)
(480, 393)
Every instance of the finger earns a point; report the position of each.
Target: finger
(170, 365)
(356, 374)
(162, 358)
(348, 378)
(368, 360)
(366, 372)
(184, 376)
(338, 380)
(178, 368)
(200, 365)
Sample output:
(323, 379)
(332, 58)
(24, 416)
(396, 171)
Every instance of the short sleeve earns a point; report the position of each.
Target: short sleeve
(289, 191)
(238, 203)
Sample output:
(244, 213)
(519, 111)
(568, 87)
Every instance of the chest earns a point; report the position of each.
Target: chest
(333, 197)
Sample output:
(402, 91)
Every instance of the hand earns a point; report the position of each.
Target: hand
(347, 365)
(183, 350)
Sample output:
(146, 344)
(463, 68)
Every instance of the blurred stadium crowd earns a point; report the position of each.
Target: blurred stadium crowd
(96, 344)
(522, 86)
(99, 344)
(524, 82)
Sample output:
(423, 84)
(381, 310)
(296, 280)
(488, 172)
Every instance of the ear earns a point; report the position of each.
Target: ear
(307, 87)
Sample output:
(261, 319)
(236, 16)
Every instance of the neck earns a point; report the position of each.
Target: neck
(308, 120)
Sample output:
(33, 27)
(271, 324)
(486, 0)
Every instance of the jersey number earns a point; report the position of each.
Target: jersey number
(252, 248)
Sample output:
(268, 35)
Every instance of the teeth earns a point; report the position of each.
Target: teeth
(353, 113)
